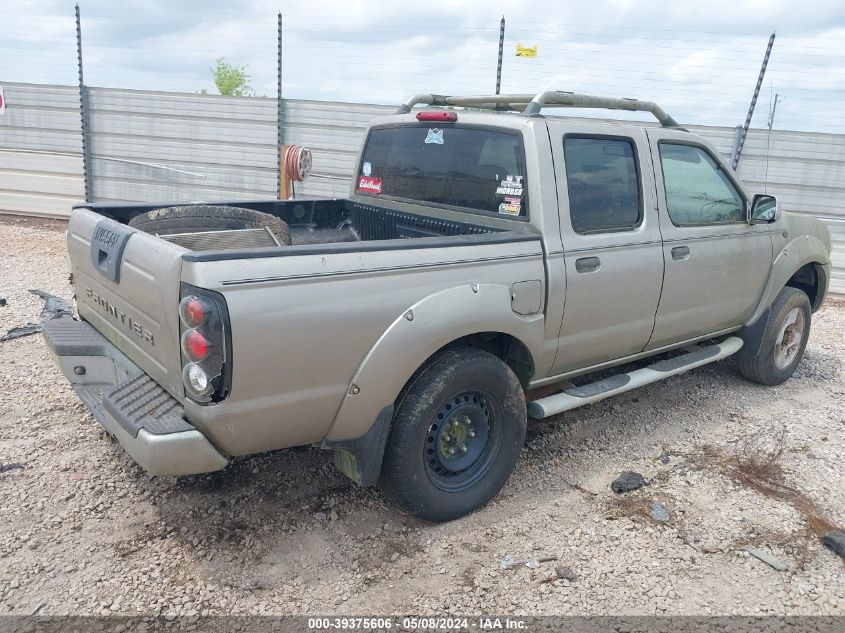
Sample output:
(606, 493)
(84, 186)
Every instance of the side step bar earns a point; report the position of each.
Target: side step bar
(575, 397)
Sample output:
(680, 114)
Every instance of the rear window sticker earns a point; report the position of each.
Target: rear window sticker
(511, 206)
(370, 185)
(367, 168)
(510, 186)
(435, 135)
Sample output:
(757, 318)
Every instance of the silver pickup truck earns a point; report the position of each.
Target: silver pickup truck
(490, 264)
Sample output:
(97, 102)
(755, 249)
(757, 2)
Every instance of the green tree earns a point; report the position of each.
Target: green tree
(231, 80)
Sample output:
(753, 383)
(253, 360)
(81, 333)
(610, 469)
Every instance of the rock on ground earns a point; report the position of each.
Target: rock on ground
(835, 540)
(627, 481)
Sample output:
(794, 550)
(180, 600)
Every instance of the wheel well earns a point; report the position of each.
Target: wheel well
(508, 348)
(504, 346)
(810, 279)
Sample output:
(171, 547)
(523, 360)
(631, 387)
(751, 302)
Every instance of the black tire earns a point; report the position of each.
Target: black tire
(481, 401)
(764, 368)
(208, 217)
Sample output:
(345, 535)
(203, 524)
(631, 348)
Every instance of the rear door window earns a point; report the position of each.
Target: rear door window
(472, 168)
(603, 181)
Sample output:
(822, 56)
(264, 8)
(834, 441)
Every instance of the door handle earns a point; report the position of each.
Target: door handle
(587, 264)
(680, 252)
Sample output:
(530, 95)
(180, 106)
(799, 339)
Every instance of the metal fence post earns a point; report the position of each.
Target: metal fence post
(744, 132)
(735, 145)
(501, 50)
(280, 112)
(83, 114)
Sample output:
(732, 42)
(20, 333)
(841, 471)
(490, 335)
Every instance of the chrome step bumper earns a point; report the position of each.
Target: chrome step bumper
(146, 420)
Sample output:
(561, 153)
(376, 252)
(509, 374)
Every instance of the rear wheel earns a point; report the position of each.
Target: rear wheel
(784, 340)
(456, 436)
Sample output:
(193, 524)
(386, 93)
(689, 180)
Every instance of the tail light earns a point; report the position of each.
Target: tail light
(192, 310)
(206, 345)
(194, 345)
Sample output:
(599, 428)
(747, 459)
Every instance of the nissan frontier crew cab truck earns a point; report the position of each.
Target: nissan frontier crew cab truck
(490, 264)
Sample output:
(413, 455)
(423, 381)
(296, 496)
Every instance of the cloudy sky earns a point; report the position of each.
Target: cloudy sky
(700, 60)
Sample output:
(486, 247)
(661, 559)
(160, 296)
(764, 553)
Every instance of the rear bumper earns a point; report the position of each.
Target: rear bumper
(146, 420)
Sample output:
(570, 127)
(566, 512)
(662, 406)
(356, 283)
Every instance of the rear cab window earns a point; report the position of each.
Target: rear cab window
(470, 168)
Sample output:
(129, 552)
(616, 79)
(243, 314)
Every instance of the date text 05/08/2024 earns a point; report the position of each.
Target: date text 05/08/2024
(416, 623)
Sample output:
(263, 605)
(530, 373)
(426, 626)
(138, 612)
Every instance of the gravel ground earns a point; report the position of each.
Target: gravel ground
(86, 531)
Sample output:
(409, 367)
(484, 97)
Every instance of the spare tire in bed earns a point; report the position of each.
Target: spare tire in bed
(208, 217)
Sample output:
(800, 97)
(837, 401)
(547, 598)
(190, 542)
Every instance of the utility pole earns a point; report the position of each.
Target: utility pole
(741, 141)
(501, 51)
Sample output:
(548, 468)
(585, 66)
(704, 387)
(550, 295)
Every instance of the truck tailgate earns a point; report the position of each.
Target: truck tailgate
(127, 287)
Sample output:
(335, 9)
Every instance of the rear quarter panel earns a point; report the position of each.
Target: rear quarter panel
(303, 324)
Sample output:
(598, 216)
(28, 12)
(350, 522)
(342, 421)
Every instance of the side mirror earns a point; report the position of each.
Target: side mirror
(764, 209)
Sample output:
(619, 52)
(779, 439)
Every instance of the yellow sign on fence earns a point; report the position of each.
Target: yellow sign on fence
(526, 51)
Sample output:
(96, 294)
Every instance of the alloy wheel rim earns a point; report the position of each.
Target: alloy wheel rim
(790, 336)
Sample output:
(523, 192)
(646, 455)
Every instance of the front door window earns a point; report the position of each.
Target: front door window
(698, 191)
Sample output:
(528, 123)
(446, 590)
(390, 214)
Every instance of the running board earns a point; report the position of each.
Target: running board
(575, 397)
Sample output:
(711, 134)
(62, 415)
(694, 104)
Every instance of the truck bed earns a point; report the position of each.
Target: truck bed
(326, 221)
(128, 285)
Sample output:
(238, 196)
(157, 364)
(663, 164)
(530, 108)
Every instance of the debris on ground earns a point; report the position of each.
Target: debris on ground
(562, 573)
(627, 481)
(835, 540)
(766, 557)
(37, 608)
(532, 563)
(659, 512)
(2, 301)
(54, 307)
(508, 562)
(666, 456)
(12, 466)
(565, 573)
(536, 443)
(18, 332)
(759, 468)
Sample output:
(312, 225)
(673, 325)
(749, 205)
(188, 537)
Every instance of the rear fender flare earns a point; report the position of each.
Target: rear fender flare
(415, 335)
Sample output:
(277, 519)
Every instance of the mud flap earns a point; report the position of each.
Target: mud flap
(752, 335)
(360, 459)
